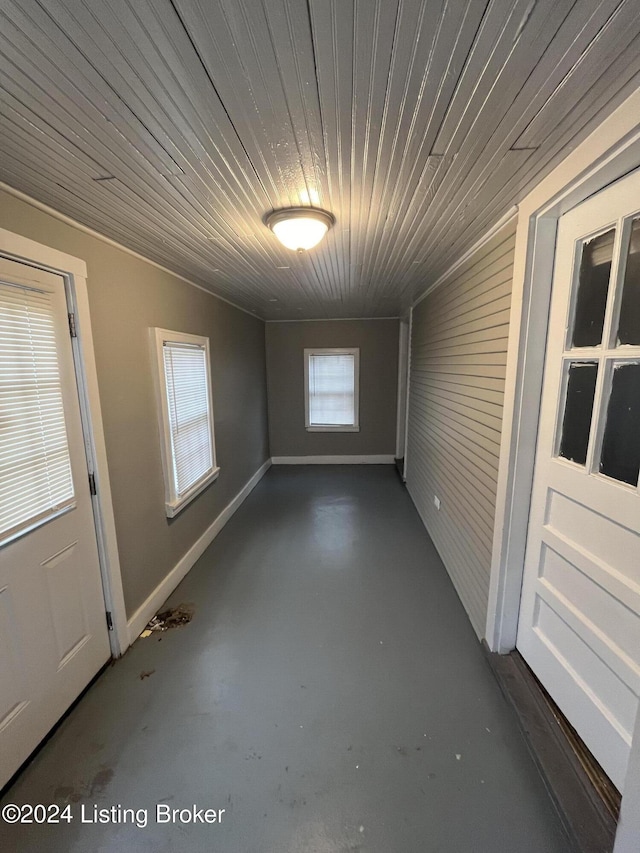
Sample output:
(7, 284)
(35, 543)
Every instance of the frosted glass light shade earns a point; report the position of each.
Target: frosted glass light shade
(300, 228)
(300, 234)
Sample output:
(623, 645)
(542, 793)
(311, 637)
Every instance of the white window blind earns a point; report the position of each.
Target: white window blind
(332, 390)
(189, 413)
(35, 468)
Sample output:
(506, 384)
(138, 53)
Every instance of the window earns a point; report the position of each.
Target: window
(331, 382)
(35, 467)
(186, 416)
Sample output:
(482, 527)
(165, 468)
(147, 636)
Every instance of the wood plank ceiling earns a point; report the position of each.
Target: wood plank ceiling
(174, 126)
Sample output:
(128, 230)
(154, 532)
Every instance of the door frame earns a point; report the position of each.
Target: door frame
(610, 152)
(407, 394)
(401, 394)
(74, 272)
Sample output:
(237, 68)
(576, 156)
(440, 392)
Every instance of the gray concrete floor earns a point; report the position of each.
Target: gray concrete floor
(329, 694)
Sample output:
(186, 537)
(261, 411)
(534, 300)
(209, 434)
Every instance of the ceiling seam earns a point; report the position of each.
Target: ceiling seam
(330, 262)
(366, 276)
(454, 212)
(562, 82)
(315, 70)
(114, 91)
(463, 68)
(217, 93)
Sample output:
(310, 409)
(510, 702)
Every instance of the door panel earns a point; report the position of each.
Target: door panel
(12, 682)
(63, 573)
(579, 626)
(52, 614)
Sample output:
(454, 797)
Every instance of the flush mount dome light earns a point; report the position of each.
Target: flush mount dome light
(299, 228)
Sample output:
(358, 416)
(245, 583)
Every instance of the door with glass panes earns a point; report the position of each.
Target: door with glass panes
(53, 633)
(579, 624)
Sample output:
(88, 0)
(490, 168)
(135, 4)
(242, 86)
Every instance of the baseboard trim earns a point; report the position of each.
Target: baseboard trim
(164, 589)
(385, 459)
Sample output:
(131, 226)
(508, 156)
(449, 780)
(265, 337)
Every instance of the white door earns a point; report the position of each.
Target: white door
(579, 626)
(53, 633)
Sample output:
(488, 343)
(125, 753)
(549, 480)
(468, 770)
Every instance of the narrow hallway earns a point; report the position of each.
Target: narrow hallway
(329, 694)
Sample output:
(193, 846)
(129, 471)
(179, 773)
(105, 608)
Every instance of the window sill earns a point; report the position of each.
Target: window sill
(329, 428)
(172, 508)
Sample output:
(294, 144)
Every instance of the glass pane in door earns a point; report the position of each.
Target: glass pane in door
(578, 408)
(620, 457)
(593, 287)
(629, 324)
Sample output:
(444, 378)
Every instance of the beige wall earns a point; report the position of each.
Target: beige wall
(378, 342)
(126, 297)
(458, 360)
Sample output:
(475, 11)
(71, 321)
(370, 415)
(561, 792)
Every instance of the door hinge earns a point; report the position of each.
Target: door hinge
(109, 620)
(92, 484)
(72, 326)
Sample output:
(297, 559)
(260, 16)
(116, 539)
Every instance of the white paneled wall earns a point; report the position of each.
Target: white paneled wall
(458, 356)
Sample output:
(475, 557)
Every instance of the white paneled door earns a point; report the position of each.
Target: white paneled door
(53, 633)
(579, 626)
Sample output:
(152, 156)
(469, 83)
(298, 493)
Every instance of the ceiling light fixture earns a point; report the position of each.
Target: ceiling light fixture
(299, 228)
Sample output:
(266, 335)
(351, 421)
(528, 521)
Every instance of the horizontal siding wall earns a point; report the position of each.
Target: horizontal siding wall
(458, 357)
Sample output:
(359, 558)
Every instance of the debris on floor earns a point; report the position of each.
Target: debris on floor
(174, 617)
(146, 673)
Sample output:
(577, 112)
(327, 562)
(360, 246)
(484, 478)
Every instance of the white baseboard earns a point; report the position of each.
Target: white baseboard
(164, 589)
(385, 459)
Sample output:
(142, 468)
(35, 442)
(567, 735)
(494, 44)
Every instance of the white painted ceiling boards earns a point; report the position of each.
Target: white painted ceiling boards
(174, 126)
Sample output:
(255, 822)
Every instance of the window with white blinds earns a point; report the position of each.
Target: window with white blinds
(35, 467)
(187, 416)
(331, 389)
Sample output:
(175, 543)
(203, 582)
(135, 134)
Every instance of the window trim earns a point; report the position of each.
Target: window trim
(355, 352)
(175, 503)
